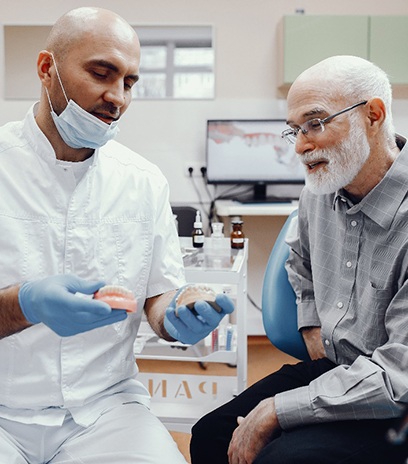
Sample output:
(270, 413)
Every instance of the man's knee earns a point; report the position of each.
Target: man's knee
(351, 442)
(281, 455)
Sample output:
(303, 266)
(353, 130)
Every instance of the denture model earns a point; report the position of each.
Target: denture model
(192, 293)
(117, 297)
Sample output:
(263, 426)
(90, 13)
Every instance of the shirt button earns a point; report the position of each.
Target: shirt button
(340, 304)
(348, 264)
(327, 342)
(354, 223)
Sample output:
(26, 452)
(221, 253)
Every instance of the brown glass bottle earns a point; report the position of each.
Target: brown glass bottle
(237, 236)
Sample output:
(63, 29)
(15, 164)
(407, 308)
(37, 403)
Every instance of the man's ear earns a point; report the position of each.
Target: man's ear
(376, 112)
(44, 63)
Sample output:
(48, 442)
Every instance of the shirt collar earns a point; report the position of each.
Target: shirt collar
(383, 201)
(37, 139)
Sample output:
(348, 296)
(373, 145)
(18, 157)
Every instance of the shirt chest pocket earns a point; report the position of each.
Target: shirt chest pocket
(118, 252)
(31, 248)
(374, 302)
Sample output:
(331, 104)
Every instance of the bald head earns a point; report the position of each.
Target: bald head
(92, 58)
(86, 23)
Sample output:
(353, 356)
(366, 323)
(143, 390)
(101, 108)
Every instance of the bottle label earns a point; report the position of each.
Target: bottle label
(237, 240)
(198, 239)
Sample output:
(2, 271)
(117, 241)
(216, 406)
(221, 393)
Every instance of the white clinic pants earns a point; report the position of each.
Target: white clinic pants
(126, 434)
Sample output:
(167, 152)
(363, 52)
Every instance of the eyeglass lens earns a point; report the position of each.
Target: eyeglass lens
(315, 125)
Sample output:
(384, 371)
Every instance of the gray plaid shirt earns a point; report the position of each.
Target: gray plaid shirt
(349, 269)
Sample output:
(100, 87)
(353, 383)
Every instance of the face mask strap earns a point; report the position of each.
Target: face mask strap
(49, 99)
(59, 80)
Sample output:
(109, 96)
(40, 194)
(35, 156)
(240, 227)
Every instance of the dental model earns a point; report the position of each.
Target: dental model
(192, 293)
(117, 297)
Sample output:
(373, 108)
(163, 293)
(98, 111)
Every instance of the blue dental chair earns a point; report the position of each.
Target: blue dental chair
(279, 309)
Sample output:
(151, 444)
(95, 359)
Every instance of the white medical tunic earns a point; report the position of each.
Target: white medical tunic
(115, 225)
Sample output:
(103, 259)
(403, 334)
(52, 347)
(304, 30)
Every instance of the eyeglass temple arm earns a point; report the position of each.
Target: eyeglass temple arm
(329, 118)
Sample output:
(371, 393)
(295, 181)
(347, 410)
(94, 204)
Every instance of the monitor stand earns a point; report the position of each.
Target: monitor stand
(259, 196)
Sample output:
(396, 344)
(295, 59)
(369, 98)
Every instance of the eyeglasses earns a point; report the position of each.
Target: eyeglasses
(314, 126)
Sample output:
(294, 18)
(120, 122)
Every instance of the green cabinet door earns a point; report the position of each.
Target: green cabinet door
(309, 39)
(389, 46)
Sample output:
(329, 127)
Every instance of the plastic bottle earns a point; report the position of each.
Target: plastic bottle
(228, 337)
(237, 236)
(198, 234)
(214, 340)
(217, 236)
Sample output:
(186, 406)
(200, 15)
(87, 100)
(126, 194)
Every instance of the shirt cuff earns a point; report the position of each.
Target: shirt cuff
(307, 315)
(294, 408)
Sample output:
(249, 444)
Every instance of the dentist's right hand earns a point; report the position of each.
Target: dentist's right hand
(52, 300)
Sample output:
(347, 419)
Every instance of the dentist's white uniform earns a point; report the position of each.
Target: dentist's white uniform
(74, 399)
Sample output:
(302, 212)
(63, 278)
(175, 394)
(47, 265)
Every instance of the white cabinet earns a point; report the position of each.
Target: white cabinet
(180, 400)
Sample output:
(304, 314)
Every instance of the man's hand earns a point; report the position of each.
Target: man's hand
(314, 344)
(190, 327)
(253, 433)
(52, 300)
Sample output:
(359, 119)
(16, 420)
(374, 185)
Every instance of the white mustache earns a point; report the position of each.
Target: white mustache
(314, 157)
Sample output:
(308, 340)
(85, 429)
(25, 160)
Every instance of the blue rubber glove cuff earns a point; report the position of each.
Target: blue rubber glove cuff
(23, 301)
(190, 328)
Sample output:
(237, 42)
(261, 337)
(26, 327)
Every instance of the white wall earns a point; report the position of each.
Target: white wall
(171, 133)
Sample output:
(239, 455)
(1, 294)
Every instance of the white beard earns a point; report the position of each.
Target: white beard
(344, 162)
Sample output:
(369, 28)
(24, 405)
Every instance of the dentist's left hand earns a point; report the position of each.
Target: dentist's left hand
(188, 327)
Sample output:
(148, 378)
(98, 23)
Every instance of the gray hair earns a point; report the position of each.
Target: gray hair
(356, 79)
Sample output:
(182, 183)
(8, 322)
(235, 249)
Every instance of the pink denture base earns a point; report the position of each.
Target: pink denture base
(118, 302)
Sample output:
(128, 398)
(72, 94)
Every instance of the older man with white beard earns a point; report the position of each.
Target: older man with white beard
(349, 268)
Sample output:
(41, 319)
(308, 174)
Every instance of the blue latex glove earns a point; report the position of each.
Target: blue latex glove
(190, 328)
(52, 300)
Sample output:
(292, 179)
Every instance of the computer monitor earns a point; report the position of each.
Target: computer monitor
(251, 151)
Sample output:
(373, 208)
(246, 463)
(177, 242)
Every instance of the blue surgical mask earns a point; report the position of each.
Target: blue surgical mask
(77, 127)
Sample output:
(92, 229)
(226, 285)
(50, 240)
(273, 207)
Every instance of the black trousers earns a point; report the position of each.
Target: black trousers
(346, 442)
